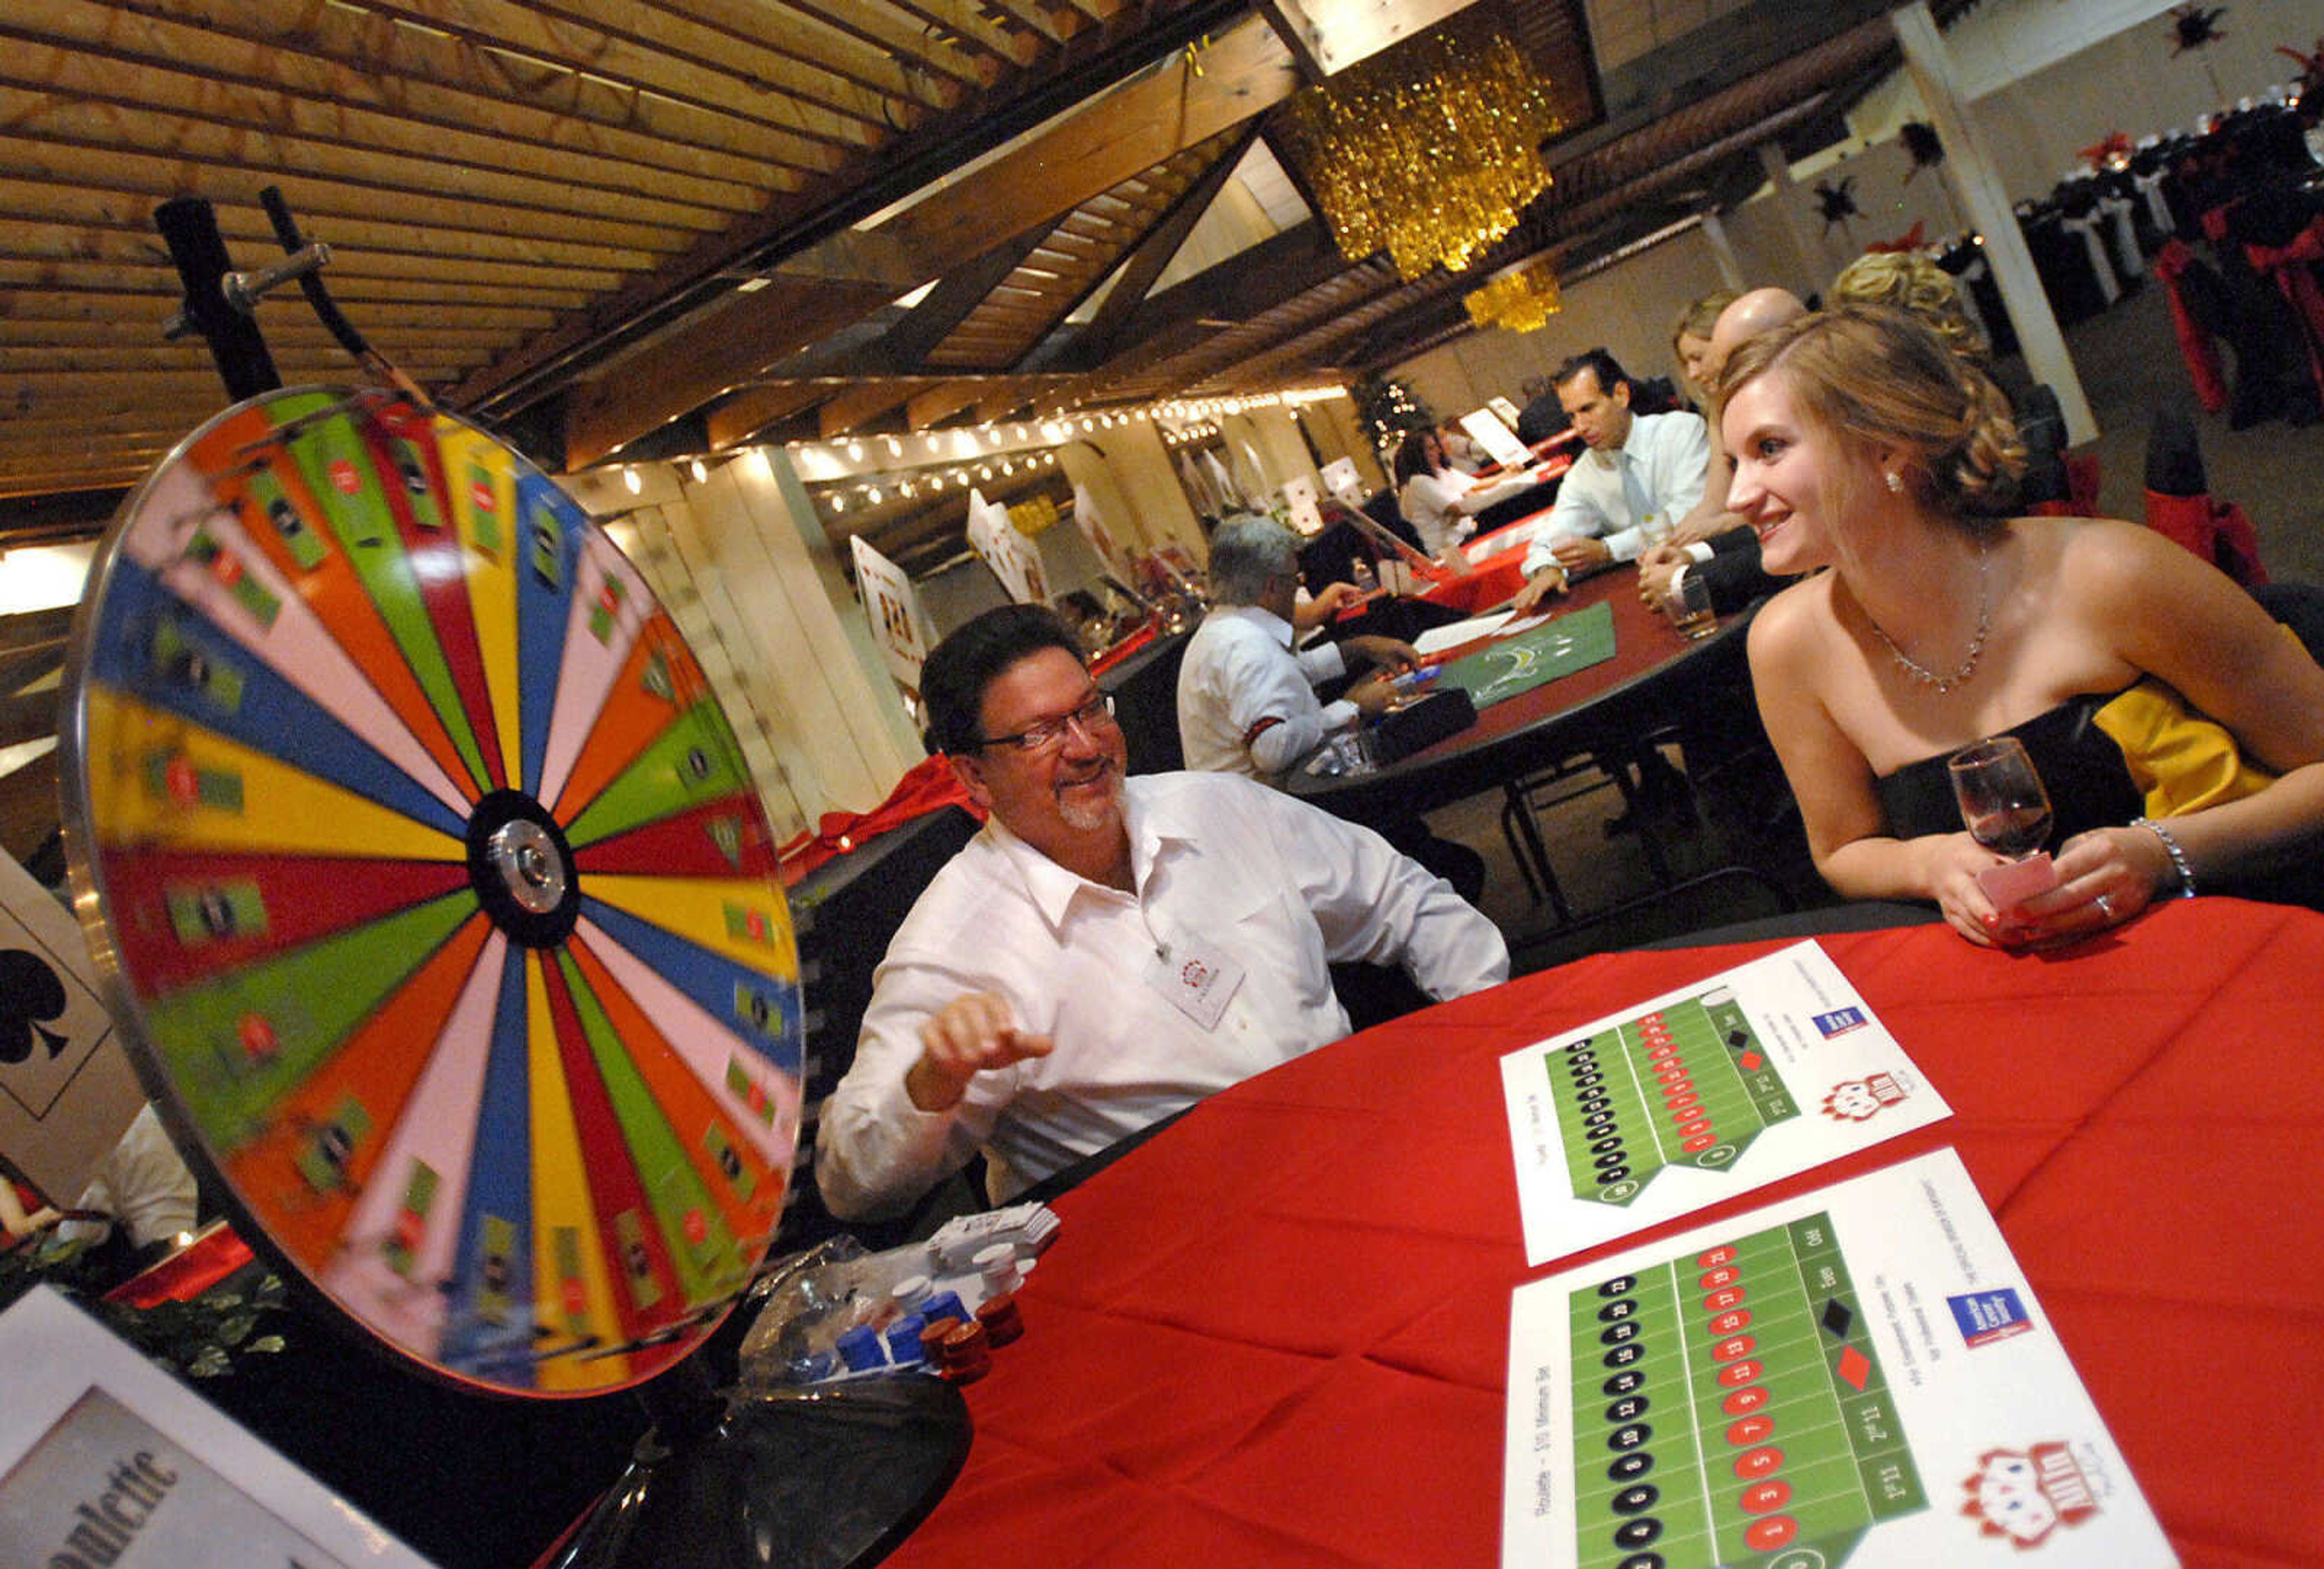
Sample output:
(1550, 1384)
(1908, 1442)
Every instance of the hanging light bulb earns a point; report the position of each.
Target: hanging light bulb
(630, 478)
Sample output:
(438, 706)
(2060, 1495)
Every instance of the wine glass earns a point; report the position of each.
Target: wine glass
(2001, 796)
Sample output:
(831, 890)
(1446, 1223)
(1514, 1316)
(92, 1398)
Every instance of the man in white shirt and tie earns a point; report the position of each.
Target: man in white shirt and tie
(1641, 474)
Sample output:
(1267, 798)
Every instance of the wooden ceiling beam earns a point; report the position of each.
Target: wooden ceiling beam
(49, 255)
(751, 409)
(71, 130)
(157, 94)
(785, 316)
(342, 54)
(1133, 127)
(693, 64)
(946, 306)
(955, 55)
(1101, 335)
(922, 409)
(863, 401)
(1032, 13)
(1235, 290)
(818, 49)
(118, 318)
(965, 18)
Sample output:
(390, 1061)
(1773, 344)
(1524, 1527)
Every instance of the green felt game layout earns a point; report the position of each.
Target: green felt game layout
(1518, 664)
(1687, 1083)
(1729, 1408)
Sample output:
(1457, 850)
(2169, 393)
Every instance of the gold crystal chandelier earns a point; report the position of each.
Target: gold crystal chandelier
(1427, 151)
(1520, 300)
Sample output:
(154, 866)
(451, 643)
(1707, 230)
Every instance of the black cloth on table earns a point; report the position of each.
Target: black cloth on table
(2090, 787)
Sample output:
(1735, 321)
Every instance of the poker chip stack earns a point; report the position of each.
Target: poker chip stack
(960, 1350)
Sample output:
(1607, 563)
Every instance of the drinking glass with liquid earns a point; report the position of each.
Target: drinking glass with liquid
(2006, 808)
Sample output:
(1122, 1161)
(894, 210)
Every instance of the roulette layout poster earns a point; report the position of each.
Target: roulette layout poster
(1858, 1376)
(1756, 1074)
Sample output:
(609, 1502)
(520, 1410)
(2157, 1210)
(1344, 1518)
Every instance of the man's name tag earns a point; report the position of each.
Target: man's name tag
(1200, 984)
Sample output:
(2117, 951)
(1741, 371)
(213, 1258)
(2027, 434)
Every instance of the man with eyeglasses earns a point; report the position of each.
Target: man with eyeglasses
(1108, 950)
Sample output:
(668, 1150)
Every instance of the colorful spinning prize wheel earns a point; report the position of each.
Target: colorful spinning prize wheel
(434, 894)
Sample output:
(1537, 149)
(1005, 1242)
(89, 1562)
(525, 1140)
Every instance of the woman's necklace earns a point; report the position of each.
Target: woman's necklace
(1921, 672)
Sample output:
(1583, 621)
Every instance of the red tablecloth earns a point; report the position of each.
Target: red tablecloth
(1277, 1334)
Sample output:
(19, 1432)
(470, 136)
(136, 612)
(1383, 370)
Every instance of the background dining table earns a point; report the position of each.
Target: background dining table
(1277, 1333)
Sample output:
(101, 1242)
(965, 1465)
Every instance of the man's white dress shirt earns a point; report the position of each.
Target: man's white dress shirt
(1247, 699)
(1225, 868)
(1657, 474)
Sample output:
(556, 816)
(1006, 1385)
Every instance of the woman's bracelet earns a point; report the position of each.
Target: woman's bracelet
(2178, 856)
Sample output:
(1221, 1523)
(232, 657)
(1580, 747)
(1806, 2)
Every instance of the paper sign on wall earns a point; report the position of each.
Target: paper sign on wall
(1102, 542)
(1299, 496)
(1485, 427)
(1341, 479)
(66, 1087)
(894, 608)
(1011, 556)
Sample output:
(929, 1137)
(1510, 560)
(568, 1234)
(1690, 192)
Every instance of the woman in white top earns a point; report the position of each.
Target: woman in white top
(1436, 498)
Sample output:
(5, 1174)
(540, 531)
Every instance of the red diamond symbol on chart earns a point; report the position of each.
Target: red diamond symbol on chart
(1751, 1061)
(1854, 1367)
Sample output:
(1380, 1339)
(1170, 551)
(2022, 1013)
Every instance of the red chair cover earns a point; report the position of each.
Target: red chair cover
(930, 785)
(2196, 345)
(2293, 268)
(2218, 531)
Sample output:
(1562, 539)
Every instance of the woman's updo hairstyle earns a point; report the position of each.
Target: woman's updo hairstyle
(1879, 377)
(1914, 283)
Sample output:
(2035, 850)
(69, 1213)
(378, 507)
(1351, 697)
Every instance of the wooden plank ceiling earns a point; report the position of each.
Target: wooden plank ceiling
(546, 211)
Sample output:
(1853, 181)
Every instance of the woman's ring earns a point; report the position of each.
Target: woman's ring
(2105, 907)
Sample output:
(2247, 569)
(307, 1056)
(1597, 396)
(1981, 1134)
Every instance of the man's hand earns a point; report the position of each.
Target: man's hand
(1578, 556)
(1391, 654)
(1549, 580)
(1374, 694)
(970, 1035)
(1324, 607)
(1657, 569)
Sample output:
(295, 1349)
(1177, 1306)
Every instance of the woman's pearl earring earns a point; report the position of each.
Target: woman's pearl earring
(1895, 483)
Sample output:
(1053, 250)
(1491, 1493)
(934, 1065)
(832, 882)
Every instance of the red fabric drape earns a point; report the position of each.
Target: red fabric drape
(928, 786)
(2196, 345)
(2218, 531)
(2293, 268)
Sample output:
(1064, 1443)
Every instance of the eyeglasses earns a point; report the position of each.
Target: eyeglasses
(1050, 733)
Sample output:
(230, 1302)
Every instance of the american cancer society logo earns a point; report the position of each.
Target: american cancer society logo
(1986, 1317)
(1841, 1020)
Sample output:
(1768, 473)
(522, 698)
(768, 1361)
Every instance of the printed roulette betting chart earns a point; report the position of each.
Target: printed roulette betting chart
(1686, 1083)
(1743, 1417)
(428, 872)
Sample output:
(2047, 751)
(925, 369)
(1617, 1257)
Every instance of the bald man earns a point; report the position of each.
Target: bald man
(1710, 539)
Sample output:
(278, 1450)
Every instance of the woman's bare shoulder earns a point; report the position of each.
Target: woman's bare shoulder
(1795, 621)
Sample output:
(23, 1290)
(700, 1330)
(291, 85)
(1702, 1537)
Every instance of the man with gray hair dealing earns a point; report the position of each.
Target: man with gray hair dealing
(1247, 699)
